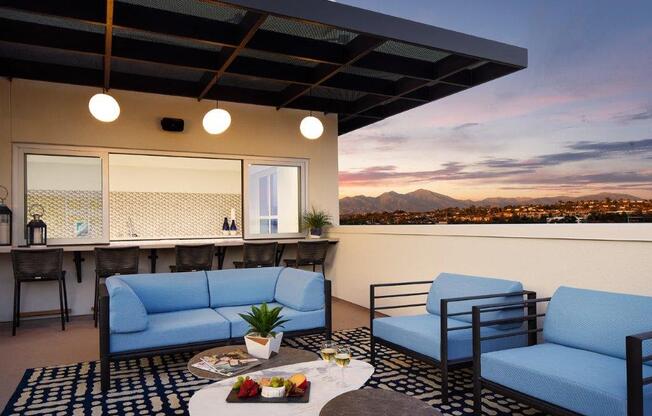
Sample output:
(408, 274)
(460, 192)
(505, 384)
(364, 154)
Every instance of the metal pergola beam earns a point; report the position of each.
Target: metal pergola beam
(249, 25)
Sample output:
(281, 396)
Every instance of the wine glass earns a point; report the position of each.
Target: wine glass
(327, 351)
(342, 359)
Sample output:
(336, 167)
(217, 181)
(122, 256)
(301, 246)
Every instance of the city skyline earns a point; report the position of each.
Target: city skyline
(577, 121)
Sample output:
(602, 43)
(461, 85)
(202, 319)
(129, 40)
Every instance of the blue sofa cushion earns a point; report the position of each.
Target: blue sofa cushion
(597, 321)
(234, 287)
(420, 333)
(174, 328)
(169, 292)
(448, 285)
(582, 381)
(298, 320)
(300, 290)
(126, 311)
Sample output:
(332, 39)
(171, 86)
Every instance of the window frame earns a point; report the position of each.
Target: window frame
(20, 150)
(303, 166)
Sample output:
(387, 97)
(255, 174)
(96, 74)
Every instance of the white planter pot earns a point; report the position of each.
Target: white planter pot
(263, 347)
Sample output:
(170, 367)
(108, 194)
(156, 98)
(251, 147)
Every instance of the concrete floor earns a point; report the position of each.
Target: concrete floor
(40, 343)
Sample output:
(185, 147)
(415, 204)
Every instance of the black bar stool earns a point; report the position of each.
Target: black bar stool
(110, 262)
(257, 255)
(310, 253)
(39, 266)
(193, 258)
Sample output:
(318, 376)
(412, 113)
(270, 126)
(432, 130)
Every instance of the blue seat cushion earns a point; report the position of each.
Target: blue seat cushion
(582, 381)
(233, 287)
(300, 289)
(126, 311)
(174, 328)
(597, 321)
(169, 292)
(298, 320)
(448, 285)
(421, 333)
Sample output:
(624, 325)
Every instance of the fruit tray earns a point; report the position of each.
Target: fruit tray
(233, 398)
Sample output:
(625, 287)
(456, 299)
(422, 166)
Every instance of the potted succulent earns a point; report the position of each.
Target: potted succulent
(315, 220)
(261, 339)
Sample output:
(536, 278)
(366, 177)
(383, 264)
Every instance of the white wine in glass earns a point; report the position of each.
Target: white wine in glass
(328, 350)
(342, 359)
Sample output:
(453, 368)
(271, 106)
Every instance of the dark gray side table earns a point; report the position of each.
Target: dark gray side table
(376, 402)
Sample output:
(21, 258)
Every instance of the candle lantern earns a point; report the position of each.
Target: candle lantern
(37, 230)
(5, 218)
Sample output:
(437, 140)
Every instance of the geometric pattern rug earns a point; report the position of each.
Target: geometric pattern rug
(161, 385)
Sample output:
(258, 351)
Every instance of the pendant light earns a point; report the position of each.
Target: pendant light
(217, 120)
(311, 127)
(104, 107)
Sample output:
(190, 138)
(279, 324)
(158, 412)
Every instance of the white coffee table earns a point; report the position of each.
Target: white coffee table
(211, 400)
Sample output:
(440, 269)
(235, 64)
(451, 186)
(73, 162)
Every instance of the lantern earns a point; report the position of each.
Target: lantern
(5, 218)
(37, 230)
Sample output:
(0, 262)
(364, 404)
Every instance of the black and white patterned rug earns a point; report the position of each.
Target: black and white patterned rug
(162, 386)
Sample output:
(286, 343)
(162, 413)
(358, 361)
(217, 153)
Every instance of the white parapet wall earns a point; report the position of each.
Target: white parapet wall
(606, 257)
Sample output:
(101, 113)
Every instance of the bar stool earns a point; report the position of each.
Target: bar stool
(39, 266)
(193, 258)
(310, 253)
(257, 255)
(111, 262)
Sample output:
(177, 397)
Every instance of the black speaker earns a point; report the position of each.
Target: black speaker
(172, 124)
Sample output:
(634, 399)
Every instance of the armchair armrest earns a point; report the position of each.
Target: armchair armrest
(372, 298)
(635, 380)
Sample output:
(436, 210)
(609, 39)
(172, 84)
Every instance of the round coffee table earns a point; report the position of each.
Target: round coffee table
(376, 402)
(285, 356)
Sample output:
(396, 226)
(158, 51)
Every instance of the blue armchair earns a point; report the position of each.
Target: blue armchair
(442, 336)
(593, 361)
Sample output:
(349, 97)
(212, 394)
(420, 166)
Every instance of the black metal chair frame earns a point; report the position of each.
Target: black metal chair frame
(106, 356)
(307, 260)
(188, 258)
(254, 247)
(21, 277)
(445, 365)
(634, 359)
(104, 272)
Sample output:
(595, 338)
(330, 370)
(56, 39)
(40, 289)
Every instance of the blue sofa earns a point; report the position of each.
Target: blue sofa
(590, 363)
(442, 336)
(150, 314)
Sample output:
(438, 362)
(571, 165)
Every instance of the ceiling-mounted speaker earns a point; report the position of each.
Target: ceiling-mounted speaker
(172, 124)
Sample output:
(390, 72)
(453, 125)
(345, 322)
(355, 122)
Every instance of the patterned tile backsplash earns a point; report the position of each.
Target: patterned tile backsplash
(64, 209)
(137, 215)
(153, 215)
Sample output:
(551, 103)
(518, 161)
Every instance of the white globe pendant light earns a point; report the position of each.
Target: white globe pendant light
(311, 127)
(216, 121)
(104, 107)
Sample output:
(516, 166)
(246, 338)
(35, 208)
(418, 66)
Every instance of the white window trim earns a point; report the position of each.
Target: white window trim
(303, 166)
(19, 185)
(19, 150)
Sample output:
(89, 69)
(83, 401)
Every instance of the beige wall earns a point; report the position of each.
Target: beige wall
(58, 114)
(395, 253)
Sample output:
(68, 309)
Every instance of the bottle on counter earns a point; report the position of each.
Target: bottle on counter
(234, 229)
(225, 226)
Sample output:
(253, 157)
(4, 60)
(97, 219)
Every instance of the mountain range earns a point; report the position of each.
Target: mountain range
(423, 200)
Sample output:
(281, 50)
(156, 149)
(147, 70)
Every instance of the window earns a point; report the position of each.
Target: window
(276, 194)
(98, 195)
(69, 190)
(163, 197)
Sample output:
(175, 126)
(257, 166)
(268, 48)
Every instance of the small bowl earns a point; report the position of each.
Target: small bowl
(273, 392)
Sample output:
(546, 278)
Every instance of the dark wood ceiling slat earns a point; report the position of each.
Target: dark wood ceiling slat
(108, 43)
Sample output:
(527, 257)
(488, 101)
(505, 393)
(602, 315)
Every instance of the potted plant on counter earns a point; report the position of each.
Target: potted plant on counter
(261, 339)
(316, 220)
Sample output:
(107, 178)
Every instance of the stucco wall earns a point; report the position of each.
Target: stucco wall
(58, 114)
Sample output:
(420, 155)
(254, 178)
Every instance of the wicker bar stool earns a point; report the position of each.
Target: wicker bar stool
(111, 262)
(257, 255)
(192, 258)
(310, 253)
(39, 266)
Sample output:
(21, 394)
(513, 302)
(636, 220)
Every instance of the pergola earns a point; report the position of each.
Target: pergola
(310, 54)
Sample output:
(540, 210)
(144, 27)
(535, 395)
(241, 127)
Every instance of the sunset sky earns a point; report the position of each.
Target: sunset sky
(578, 120)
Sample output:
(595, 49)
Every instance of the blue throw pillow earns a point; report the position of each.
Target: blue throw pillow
(300, 290)
(126, 312)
